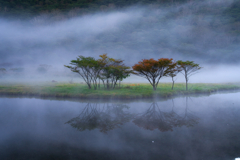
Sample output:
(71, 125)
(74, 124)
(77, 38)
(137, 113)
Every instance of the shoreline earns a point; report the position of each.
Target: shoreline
(82, 97)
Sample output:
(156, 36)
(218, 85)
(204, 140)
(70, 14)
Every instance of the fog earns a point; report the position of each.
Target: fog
(203, 32)
(205, 127)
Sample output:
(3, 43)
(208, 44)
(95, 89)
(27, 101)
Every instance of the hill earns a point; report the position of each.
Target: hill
(34, 7)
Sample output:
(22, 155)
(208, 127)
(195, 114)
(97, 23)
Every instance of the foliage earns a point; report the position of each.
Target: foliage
(188, 69)
(106, 69)
(112, 71)
(154, 70)
(88, 68)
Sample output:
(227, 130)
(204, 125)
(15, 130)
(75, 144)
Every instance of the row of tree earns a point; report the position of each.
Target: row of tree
(110, 71)
(34, 7)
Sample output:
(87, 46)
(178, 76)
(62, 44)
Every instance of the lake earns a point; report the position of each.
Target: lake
(183, 128)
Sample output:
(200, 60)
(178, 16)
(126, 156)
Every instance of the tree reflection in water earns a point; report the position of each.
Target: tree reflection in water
(154, 118)
(105, 117)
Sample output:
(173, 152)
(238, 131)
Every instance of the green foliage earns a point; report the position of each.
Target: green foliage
(188, 68)
(88, 68)
(106, 69)
(112, 71)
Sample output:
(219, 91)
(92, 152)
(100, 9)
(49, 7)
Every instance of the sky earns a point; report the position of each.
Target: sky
(195, 31)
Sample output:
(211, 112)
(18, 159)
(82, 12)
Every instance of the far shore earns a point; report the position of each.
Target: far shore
(131, 91)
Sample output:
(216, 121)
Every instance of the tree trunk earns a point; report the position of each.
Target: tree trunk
(99, 84)
(103, 84)
(186, 85)
(154, 85)
(89, 86)
(95, 84)
(115, 84)
(172, 83)
(186, 78)
(107, 84)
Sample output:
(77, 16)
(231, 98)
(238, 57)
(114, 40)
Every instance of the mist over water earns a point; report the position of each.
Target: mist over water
(36, 50)
(204, 127)
(196, 31)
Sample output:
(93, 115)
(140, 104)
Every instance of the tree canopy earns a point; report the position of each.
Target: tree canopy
(88, 68)
(154, 70)
(106, 69)
(188, 69)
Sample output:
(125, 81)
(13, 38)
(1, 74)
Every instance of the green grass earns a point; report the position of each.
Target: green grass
(126, 91)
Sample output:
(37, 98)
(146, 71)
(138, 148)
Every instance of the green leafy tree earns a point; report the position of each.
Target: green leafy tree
(154, 70)
(88, 68)
(106, 69)
(112, 71)
(189, 68)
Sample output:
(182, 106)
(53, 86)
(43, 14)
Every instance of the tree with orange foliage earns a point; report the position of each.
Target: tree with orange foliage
(154, 70)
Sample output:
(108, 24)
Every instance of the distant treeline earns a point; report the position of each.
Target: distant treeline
(71, 8)
(34, 7)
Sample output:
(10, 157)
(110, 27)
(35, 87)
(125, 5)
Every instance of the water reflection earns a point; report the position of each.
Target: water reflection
(35, 129)
(105, 117)
(154, 118)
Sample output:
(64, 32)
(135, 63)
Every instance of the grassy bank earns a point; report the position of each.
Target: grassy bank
(126, 91)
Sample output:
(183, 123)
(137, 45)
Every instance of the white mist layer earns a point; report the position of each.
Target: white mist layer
(132, 34)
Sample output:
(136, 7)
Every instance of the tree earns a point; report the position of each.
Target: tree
(112, 71)
(106, 69)
(2, 71)
(188, 69)
(173, 73)
(88, 68)
(43, 68)
(154, 70)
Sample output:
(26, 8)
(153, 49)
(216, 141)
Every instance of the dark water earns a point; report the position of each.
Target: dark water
(185, 128)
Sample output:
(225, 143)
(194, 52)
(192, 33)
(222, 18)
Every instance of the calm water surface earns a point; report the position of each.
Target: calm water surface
(185, 128)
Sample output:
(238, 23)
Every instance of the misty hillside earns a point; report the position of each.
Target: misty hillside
(207, 32)
(33, 7)
(26, 8)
